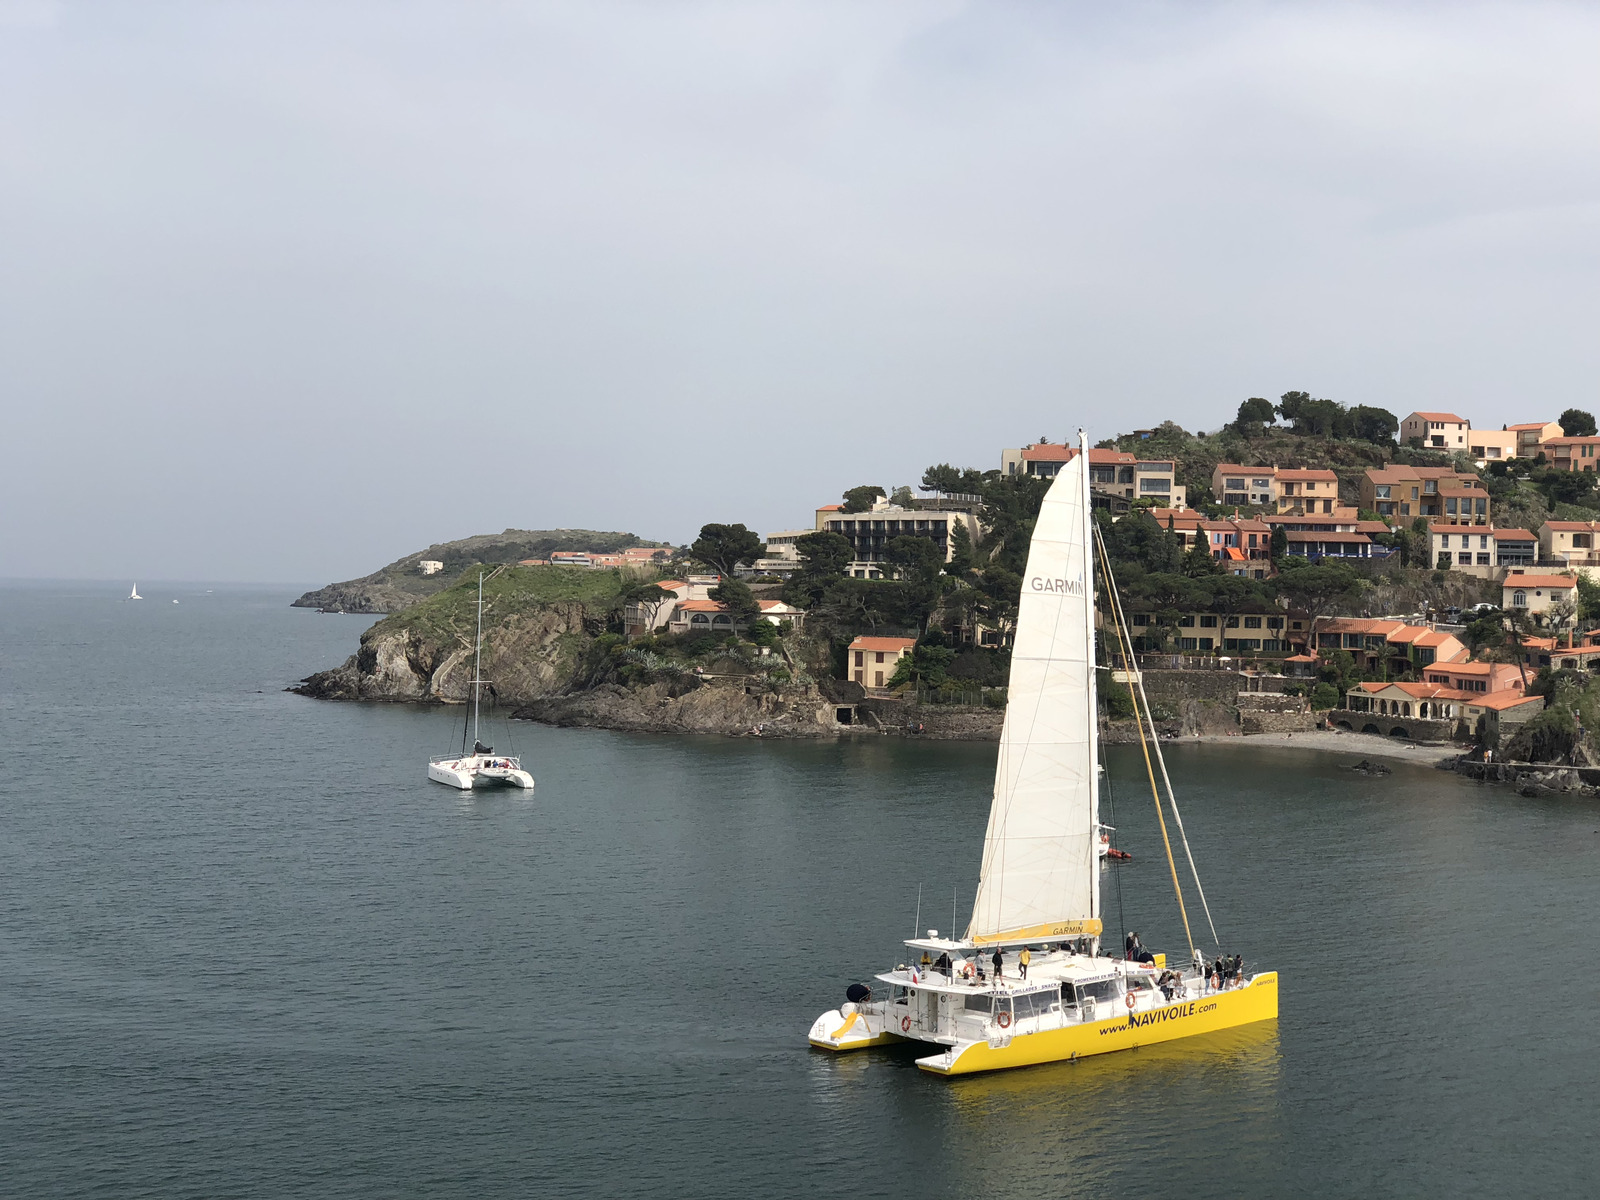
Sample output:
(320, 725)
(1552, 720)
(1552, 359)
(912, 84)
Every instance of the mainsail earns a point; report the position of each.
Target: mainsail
(1041, 875)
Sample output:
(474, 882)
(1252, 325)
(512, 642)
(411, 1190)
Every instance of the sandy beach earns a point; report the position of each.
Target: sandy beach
(1357, 745)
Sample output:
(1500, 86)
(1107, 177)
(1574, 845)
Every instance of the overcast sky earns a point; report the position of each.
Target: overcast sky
(289, 290)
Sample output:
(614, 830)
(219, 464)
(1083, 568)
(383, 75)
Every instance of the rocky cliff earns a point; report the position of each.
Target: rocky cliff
(526, 655)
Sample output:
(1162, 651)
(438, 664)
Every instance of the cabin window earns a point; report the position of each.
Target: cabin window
(1031, 1004)
(1100, 989)
(981, 1004)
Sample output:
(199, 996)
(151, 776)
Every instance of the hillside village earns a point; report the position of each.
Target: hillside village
(1360, 563)
(1306, 565)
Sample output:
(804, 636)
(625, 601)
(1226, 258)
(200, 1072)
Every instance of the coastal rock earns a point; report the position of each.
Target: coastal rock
(528, 656)
(711, 709)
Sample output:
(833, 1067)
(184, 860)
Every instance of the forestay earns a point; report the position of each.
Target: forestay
(1040, 874)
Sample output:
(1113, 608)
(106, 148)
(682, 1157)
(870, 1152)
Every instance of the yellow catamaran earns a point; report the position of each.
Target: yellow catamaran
(1039, 888)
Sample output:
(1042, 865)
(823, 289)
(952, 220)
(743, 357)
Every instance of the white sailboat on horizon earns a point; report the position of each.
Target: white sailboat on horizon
(134, 595)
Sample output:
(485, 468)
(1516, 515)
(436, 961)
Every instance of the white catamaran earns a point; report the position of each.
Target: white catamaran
(1038, 902)
(483, 767)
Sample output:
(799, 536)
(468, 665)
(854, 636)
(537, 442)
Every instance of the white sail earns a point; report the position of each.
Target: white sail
(1040, 874)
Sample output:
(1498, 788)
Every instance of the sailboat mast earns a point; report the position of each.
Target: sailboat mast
(477, 663)
(1092, 714)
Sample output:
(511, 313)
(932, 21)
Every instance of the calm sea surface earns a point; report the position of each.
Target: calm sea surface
(247, 949)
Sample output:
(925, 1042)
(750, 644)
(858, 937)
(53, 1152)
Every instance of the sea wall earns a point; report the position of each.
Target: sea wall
(1175, 686)
(1277, 722)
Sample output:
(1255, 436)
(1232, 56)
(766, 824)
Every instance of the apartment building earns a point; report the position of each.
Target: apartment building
(869, 532)
(1245, 486)
(1453, 547)
(1572, 453)
(1402, 493)
(1115, 475)
(1436, 430)
(1216, 633)
(1532, 436)
(1307, 491)
(1572, 543)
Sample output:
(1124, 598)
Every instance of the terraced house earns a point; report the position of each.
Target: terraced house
(1532, 435)
(1572, 453)
(1307, 491)
(1246, 487)
(1401, 494)
(1381, 646)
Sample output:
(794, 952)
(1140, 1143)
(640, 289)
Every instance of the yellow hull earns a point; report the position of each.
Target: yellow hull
(1257, 1001)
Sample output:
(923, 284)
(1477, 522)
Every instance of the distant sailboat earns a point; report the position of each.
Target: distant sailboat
(134, 595)
(483, 767)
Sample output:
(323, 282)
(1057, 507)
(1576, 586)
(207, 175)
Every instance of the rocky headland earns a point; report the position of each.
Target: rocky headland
(404, 582)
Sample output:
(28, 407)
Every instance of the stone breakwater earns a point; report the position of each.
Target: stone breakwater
(1530, 779)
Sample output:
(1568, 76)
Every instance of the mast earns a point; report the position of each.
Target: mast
(477, 664)
(1092, 712)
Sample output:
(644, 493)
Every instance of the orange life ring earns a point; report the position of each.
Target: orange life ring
(1004, 1019)
(905, 1024)
(1130, 999)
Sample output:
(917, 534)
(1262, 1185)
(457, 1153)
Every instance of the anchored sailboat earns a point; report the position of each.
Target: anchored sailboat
(134, 595)
(483, 767)
(1039, 887)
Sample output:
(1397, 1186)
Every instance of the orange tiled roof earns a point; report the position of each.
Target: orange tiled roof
(1297, 475)
(883, 643)
(1553, 582)
(1426, 416)
(1528, 425)
(1051, 452)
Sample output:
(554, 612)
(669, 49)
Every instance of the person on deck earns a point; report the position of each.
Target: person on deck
(925, 962)
(1023, 960)
(999, 961)
(943, 964)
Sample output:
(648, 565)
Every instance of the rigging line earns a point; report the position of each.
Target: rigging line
(1126, 647)
(1111, 803)
(1161, 760)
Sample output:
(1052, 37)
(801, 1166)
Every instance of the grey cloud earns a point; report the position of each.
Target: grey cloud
(289, 289)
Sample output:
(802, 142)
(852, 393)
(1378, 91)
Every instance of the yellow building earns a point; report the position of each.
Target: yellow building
(873, 659)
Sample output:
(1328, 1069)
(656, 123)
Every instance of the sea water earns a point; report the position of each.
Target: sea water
(248, 949)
